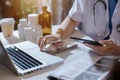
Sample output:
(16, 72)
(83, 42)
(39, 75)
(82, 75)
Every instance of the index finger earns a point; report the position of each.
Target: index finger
(39, 40)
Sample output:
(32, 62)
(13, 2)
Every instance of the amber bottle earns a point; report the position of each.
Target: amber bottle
(45, 20)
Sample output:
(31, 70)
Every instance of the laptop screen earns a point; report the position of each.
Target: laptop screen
(5, 59)
(12, 56)
(23, 61)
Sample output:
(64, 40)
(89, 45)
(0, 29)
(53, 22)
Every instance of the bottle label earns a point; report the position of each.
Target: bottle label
(46, 31)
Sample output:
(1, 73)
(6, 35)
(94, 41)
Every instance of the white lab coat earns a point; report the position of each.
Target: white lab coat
(82, 11)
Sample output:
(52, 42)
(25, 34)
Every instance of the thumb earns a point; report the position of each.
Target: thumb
(106, 42)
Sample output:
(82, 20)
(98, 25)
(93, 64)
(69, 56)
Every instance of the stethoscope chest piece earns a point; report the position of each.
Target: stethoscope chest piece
(118, 27)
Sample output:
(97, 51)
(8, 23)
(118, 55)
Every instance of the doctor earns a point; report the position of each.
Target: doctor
(98, 19)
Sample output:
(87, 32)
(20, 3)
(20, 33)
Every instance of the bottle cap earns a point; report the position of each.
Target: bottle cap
(33, 19)
(23, 22)
(7, 21)
(44, 3)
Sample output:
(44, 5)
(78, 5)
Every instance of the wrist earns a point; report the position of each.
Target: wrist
(57, 37)
(59, 33)
(117, 50)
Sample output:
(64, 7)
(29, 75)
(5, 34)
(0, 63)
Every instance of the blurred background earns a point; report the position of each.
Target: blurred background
(21, 8)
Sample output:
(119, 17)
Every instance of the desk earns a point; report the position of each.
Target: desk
(6, 74)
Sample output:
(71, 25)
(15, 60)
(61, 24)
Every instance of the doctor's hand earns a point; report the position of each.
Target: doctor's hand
(108, 48)
(54, 41)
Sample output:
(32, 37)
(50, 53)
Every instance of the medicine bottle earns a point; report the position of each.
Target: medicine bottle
(34, 29)
(22, 24)
(45, 19)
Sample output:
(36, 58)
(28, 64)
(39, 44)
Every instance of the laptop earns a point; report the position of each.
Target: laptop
(26, 57)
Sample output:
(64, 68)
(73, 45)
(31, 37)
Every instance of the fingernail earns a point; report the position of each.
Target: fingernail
(104, 45)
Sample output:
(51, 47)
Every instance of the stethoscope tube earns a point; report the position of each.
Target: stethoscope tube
(103, 2)
(97, 1)
(105, 7)
(94, 13)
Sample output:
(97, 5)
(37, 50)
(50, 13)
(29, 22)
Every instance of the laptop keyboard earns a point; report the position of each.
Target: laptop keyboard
(22, 59)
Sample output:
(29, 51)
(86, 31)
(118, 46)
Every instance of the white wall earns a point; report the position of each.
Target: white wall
(58, 8)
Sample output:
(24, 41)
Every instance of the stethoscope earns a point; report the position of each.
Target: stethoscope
(105, 7)
(94, 5)
(94, 13)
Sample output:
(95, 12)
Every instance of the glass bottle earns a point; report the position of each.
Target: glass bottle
(45, 20)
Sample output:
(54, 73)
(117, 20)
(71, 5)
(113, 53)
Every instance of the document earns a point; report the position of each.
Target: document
(83, 66)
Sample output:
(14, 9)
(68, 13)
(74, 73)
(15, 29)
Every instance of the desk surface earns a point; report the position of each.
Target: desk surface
(6, 74)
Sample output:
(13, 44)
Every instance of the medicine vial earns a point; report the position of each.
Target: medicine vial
(22, 24)
(34, 28)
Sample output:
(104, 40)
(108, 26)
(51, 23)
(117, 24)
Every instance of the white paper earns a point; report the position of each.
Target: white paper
(83, 66)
